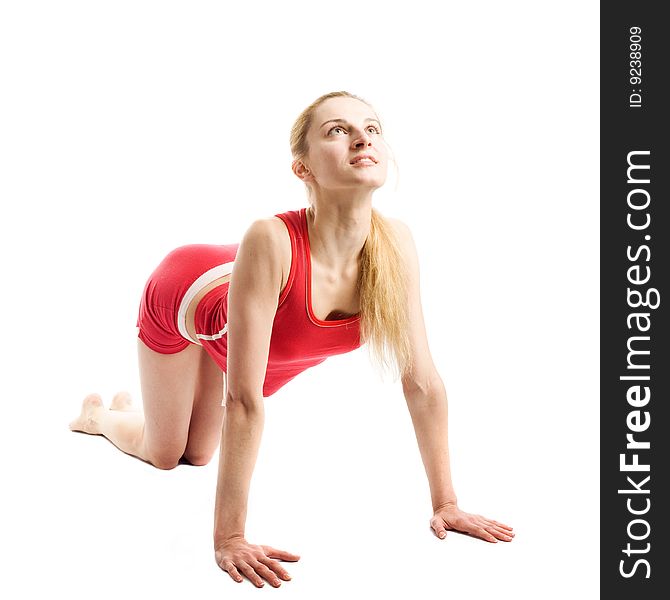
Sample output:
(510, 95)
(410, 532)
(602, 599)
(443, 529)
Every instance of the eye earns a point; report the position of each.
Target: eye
(369, 129)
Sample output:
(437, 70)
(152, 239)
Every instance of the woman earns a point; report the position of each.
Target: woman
(215, 340)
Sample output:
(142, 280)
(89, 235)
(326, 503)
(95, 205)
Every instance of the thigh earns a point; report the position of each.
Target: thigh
(207, 417)
(169, 383)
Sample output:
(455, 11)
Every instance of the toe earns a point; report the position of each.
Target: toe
(93, 400)
(121, 401)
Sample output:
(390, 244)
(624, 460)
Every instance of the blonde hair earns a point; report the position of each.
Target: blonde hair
(382, 278)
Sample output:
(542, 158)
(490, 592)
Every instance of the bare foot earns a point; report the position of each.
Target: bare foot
(122, 401)
(87, 421)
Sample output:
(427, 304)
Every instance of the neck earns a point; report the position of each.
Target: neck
(338, 228)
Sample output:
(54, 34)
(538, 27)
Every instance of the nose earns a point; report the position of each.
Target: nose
(362, 140)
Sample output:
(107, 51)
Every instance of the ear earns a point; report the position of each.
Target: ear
(301, 171)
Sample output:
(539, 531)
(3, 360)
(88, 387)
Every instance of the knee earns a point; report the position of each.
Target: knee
(198, 459)
(165, 460)
(164, 463)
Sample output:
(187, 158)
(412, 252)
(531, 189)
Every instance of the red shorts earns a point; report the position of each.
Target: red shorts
(170, 289)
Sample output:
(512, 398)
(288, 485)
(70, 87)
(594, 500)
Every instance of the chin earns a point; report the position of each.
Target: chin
(375, 185)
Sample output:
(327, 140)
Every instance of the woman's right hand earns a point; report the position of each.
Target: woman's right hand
(238, 557)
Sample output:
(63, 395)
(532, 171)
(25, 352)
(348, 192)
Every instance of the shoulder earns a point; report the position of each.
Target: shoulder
(399, 227)
(268, 237)
(267, 232)
(264, 227)
(403, 236)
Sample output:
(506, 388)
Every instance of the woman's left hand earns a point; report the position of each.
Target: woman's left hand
(451, 517)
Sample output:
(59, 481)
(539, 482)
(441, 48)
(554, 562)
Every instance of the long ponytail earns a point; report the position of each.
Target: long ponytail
(382, 285)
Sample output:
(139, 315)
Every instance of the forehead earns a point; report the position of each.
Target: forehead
(350, 109)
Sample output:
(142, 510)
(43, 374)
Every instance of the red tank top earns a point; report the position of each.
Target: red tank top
(299, 340)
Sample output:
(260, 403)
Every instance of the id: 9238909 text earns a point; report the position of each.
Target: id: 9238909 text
(635, 43)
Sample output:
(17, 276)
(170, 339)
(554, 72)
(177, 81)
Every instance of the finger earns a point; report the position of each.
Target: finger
(498, 524)
(501, 534)
(280, 554)
(483, 534)
(437, 525)
(252, 576)
(232, 571)
(276, 567)
(266, 573)
(494, 524)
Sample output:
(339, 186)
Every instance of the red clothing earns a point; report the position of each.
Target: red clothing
(171, 287)
(299, 340)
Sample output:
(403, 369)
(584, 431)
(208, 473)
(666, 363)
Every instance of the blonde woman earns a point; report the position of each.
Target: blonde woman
(222, 327)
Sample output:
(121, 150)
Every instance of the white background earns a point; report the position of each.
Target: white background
(130, 128)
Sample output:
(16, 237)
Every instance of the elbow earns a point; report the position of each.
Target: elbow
(426, 386)
(250, 401)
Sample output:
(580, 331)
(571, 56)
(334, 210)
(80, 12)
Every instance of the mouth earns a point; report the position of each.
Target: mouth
(364, 159)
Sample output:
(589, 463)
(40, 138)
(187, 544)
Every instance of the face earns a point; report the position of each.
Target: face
(343, 131)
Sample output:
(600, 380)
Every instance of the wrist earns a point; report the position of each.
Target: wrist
(445, 503)
(221, 539)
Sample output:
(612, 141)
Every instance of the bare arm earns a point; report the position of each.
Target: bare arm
(423, 388)
(429, 413)
(240, 441)
(427, 403)
(252, 303)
